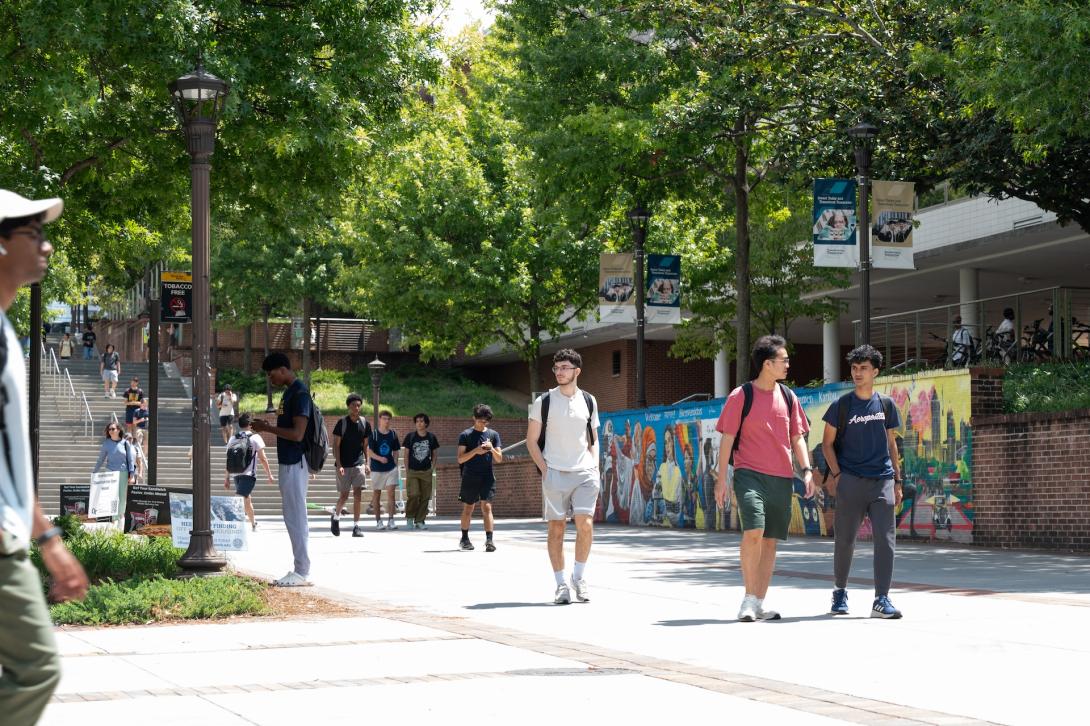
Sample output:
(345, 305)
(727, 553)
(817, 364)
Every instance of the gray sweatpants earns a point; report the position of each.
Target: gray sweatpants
(293, 496)
(857, 497)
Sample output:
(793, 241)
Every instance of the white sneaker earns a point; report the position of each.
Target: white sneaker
(582, 590)
(763, 614)
(379, 525)
(391, 525)
(292, 579)
(563, 595)
(748, 612)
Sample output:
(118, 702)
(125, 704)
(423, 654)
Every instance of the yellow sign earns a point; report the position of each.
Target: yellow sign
(176, 276)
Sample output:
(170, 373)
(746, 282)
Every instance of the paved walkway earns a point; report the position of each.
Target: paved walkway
(472, 638)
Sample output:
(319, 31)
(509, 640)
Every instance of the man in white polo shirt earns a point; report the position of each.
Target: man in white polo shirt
(563, 441)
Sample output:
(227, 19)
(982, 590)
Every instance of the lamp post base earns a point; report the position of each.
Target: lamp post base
(201, 558)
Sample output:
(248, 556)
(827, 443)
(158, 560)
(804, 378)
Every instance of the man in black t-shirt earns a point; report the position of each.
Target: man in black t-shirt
(419, 446)
(133, 396)
(350, 437)
(89, 338)
(478, 448)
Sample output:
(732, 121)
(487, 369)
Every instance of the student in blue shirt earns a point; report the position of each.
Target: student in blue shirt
(865, 476)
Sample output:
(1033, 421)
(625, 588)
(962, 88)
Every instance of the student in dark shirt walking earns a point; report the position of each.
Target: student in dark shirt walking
(350, 437)
(419, 446)
(382, 447)
(478, 448)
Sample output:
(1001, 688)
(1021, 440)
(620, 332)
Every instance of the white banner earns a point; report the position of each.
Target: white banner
(104, 498)
(891, 228)
(230, 528)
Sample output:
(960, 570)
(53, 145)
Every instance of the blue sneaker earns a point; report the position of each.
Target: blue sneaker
(840, 602)
(883, 608)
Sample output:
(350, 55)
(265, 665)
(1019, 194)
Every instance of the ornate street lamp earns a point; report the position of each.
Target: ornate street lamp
(377, 368)
(638, 218)
(863, 137)
(198, 100)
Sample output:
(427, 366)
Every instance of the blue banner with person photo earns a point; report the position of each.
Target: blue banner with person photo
(835, 223)
(663, 301)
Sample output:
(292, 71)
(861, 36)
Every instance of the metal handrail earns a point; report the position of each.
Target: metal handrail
(701, 396)
(515, 445)
(72, 401)
(88, 421)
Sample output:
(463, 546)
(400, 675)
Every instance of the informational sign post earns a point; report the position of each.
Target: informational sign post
(835, 223)
(663, 289)
(616, 298)
(229, 524)
(176, 297)
(147, 511)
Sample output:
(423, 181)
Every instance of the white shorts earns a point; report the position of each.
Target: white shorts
(568, 493)
(383, 480)
(109, 376)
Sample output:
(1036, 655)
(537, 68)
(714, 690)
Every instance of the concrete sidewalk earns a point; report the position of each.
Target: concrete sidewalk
(471, 637)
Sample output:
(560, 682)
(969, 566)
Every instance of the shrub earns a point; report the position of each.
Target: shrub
(1040, 387)
(115, 556)
(155, 598)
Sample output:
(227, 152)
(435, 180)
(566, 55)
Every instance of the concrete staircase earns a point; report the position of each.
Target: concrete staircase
(69, 445)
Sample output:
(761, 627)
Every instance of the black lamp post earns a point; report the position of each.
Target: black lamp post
(377, 368)
(198, 100)
(637, 219)
(153, 377)
(863, 137)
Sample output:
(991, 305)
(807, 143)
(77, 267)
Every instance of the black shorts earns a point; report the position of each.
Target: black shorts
(244, 485)
(225, 421)
(130, 411)
(477, 488)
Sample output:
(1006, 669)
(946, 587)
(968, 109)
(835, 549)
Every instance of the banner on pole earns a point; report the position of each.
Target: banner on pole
(835, 238)
(229, 525)
(616, 292)
(663, 301)
(891, 233)
(176, 297)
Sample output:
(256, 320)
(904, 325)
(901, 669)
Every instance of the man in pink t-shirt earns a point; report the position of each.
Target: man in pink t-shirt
(763, 472)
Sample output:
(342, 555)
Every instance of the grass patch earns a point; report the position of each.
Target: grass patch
(115, 556)
(1041, 387)
(155, 598)
(406, 390)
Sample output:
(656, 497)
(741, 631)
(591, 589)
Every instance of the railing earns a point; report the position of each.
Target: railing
(1046, 324)
(694, 397)
(73, 401)
(88, 419)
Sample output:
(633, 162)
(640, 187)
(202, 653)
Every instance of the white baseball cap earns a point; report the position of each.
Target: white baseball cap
(13, 205)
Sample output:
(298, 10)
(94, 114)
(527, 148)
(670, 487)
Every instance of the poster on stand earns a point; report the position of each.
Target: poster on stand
(105, 494)
(616, 293)
(835, 225)
(229, 524)
(891, 231)
(663, 300)
(147, 511)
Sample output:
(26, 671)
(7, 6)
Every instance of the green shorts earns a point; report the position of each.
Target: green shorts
(764, 502)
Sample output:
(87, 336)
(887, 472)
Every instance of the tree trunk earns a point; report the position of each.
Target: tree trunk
(741, 255)
(247, 348)
(306, 341)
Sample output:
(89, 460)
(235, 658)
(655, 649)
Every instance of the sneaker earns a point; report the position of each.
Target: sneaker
(883, 608)
(466, 545)
(357, 531)
(748, 612)
(421, 525)
(563, 595)
(379, 525)
(391, 525)
(255, 527)
(488, 546)
(840, 602)
(763, 614)
(334, 525)
(582, 590)
(292, 579)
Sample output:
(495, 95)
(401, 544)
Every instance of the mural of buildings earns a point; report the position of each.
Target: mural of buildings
(659, 465)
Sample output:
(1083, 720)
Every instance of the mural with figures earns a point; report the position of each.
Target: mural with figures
(659, 465)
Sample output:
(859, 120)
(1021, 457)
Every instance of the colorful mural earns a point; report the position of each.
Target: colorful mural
(659, 465)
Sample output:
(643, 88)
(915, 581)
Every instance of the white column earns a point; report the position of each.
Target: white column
(830, 349)
(722, 374)
(969, 289)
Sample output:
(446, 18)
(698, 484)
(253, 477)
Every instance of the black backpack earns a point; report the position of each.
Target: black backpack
(240, 454)
(315, 441)
(747, 404)
(843, 407)
(545, 418)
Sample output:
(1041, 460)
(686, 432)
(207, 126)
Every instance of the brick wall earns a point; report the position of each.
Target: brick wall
(518, 490)
(986, 391)
(1031, 480)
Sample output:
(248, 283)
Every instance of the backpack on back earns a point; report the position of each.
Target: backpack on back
(315, 440)
(545, 418)
(843, 406)
(240, 453)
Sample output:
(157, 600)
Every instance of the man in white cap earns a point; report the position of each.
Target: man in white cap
(28, 653)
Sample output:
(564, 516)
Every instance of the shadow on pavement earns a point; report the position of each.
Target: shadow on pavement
(505, 605)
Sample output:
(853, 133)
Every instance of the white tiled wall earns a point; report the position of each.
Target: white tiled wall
(974, 218)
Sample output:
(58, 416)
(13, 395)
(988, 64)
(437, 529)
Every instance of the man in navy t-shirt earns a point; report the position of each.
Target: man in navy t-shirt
(478, 448)
(382, 448)
(290, 428)
(865, 476)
